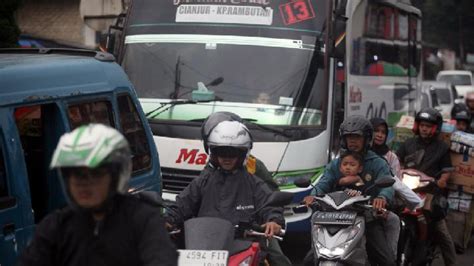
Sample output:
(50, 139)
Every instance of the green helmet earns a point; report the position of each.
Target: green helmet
(92, 146)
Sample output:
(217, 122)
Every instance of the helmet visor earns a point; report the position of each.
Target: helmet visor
(228, 152)
(84, 173)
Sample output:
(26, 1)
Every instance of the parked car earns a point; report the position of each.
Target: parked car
(438, 95)
(460, 79)
(45, 93)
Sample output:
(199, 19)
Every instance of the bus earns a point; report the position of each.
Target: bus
(383, 45)
(280, 65)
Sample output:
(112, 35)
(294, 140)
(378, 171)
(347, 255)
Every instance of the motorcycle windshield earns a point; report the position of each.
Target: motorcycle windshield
(208, 233)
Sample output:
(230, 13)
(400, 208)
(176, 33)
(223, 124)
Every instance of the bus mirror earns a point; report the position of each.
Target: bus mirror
(112, 40)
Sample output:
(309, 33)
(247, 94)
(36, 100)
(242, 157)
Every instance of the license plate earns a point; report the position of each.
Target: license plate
(190, 257)
(334, 217)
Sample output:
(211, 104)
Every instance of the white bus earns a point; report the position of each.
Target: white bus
(271, 62)
(383, 44)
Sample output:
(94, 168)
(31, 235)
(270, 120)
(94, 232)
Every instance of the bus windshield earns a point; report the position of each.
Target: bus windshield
(268, 74)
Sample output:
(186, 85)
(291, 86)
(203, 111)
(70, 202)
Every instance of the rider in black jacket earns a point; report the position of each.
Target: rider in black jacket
(426, 153)
(227, 190)
(102, 224)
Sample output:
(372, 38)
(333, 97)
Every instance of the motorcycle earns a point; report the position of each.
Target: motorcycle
(338, 225)
(416, 245)
(212, 241)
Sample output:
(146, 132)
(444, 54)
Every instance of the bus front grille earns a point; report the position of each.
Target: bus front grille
(175, 180)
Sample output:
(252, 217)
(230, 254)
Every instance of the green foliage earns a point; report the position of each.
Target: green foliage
(446, 23)
(9, 31)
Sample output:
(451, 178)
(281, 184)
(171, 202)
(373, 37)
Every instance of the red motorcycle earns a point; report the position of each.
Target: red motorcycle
(416, 245)
(217, 242)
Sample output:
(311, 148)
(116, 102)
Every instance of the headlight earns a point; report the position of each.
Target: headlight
(287, 179)
(330, 253)
(411, 181)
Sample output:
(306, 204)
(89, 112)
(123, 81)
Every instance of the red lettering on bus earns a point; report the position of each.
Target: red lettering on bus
(191, 157)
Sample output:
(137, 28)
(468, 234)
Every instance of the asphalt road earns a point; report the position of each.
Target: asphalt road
(295, 247)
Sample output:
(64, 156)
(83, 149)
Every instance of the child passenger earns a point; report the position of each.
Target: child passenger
(351, 166)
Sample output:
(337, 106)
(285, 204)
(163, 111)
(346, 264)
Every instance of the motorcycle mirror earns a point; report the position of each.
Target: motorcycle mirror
(303, 182)
(277, 199)
(445, 170)
(384, 182)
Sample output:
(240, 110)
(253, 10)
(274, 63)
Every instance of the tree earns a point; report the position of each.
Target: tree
(449, 24)
(9, 31)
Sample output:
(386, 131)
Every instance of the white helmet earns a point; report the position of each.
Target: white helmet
(93, 146)
(230, 134)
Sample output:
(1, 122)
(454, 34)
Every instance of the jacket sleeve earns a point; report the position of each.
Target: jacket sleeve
(267, 214)
(43, 247)
(401, 153)
(155, 246)
(187, 203)
(328, 180)
(383, 170)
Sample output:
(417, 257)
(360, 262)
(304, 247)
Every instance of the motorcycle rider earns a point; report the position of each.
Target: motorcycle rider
(356, 135)
(402, 192)
(461, 114)
(470, 106)
(428, 154)
(222, 190)
(254, 165)
(101, 225)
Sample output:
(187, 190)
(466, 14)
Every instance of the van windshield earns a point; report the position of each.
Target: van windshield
(456, 79)
(444, 96)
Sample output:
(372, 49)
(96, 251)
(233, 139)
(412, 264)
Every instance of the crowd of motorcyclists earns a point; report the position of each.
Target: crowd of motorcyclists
(103, 225)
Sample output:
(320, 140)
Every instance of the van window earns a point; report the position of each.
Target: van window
(91, 112)
(444, 95)
(134, 131)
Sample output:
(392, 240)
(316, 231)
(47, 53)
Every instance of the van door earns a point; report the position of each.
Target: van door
(39, 128)
(16, 217)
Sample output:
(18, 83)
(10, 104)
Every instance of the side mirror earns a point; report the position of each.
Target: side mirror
(279, 199)
(448, 169)
(302, 182)
(384, 182)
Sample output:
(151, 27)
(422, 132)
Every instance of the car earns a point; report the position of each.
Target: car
(460, 79)
(438, 95)
(45, 93)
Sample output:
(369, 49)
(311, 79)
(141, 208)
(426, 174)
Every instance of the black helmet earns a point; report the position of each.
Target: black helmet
(377, 121)
(460, 112)
(212, 121)
(357, 125)
(429, 115)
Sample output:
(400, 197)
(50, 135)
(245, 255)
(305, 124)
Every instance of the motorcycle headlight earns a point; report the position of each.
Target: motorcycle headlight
(287, 179)
(330, 253)
(411, 181)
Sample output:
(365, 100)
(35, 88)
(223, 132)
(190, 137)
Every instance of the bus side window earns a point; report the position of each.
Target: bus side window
(133, 130)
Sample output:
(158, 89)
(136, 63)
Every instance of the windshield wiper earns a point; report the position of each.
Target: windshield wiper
(170, 104)
(268, 128)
